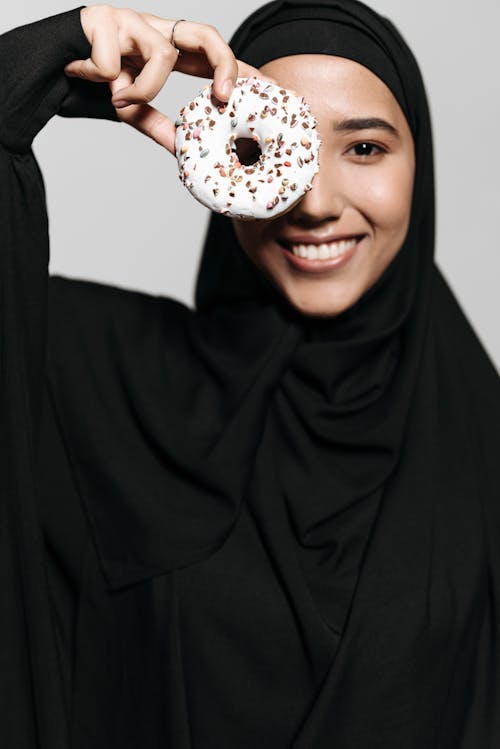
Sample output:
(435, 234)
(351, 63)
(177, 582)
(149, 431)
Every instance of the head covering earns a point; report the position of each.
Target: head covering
(364, 445)
(339, 418)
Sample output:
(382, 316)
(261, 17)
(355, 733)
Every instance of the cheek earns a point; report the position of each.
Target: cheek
(253, 240)
(247, 234)
(386, 197)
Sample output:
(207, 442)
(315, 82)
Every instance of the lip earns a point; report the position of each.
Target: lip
(320, 266)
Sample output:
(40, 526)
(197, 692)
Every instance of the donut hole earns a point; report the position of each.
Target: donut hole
(247, 150)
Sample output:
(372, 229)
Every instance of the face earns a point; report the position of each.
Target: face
(360, 200)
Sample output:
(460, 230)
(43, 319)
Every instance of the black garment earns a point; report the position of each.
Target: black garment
(232, 526)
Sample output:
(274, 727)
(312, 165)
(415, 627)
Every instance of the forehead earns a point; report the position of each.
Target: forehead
(335, 85)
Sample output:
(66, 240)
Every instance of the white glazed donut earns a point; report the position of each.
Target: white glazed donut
(284, 129)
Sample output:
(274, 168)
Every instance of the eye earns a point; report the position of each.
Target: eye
(366, 150)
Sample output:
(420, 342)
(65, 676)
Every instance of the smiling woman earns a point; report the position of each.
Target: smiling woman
(272, 520)
(332, 247)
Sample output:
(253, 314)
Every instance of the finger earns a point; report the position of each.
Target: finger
(105, 62)
(126, 78)
(160, 57)
(247, 71)
(144, 117)
(195, 37)
(149, 121)
(192, 62)
(197, 65)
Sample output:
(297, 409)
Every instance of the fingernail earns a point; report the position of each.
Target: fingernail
(120, 103)
(227, 88)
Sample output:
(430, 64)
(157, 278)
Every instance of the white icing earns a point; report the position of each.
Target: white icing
(211, 141)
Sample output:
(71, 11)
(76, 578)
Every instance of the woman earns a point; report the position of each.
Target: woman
(271, 521)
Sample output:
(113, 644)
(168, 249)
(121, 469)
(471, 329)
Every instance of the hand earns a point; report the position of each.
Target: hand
(132, 51)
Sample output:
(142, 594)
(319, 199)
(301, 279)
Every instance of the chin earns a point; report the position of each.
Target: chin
(312, 305)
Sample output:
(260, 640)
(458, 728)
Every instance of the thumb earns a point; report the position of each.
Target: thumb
(86, 69)
(151, 122)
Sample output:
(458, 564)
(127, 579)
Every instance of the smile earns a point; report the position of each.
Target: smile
(317, 258)
(323, 251)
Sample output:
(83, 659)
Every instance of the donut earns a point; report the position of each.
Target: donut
(280, 129)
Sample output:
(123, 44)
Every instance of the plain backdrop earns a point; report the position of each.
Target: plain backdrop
(119, 214)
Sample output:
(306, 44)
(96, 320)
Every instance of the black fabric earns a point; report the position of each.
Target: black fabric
(334, 32)
(236, 526)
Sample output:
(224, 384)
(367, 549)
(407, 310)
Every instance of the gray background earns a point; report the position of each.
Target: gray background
(119, 214)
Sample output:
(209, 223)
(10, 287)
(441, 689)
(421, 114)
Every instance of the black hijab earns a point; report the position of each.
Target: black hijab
(364, 445)
(339, 417)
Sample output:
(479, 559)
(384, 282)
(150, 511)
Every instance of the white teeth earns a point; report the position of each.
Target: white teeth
(323, 251)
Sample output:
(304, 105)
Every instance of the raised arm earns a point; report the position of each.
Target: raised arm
(70, 64)
(33, 86)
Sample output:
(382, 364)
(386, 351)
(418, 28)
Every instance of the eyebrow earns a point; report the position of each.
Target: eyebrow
(365, 123)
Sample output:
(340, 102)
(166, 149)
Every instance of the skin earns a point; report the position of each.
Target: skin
(360, 189)
(131, 51)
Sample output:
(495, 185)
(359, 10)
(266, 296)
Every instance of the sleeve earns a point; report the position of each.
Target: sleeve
(33, 88)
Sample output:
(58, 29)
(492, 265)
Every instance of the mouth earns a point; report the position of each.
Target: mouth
(317, 258)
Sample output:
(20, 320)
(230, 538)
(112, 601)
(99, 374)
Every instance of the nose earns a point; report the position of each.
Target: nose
(325, 201)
